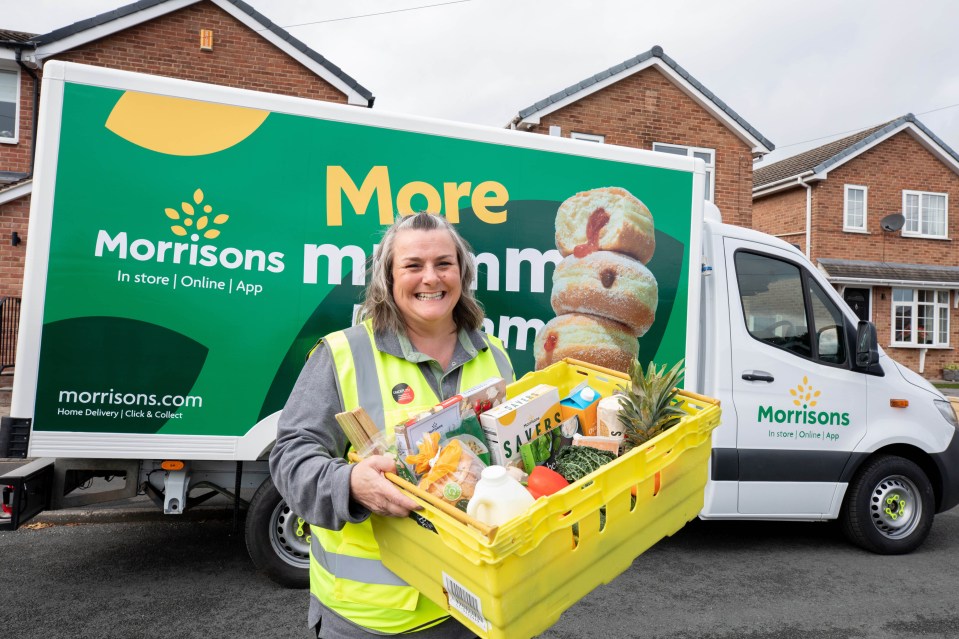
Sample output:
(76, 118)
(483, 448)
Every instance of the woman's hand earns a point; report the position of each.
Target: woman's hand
(370, 488)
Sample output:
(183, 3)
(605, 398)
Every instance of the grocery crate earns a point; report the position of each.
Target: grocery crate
(516, 580)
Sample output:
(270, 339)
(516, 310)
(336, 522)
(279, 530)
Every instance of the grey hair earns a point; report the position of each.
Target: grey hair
(378, 303)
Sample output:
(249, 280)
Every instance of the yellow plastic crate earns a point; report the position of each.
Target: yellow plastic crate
(517, 581)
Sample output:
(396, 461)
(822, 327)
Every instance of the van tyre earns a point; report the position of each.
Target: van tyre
(889, 506)
(278, 542)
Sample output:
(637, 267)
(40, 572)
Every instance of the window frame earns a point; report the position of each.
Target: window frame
(588, 137)
(15, 70)
(914, 304)
(806, 279)
(846, 226)
(945, 222)
(690, 152)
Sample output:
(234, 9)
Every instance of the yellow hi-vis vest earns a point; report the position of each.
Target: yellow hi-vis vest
(346, 573)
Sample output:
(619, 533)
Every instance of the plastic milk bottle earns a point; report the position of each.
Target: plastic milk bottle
(498, 497)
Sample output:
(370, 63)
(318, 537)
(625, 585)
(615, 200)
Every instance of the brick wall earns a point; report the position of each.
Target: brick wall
(170, 46)
(167, 46)
(887, 169)
(783, 214)
(646, 107)
(13, 217)
(897, 164)
(16, 157)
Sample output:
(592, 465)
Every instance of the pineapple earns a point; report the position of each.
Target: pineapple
(649, 406)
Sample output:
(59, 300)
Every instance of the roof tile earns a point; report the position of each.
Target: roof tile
(822, 158)
(889, 271)
(140, 5)
(656, 51)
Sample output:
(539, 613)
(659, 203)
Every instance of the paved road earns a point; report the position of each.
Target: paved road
(140, 579)
(713, 580)
(74, 576)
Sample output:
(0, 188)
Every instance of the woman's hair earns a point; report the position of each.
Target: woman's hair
(379, 303)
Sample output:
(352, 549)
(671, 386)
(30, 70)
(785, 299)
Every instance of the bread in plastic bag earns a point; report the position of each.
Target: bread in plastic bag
(450, 471)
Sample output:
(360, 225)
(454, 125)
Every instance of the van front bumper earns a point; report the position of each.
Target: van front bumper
(947, 462)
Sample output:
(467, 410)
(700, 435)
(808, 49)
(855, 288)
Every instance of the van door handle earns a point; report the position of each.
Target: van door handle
(757, 376)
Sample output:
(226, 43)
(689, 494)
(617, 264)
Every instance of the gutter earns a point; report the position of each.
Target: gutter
(808, 187)
(893, 283)
(36, 108)
(778, 185)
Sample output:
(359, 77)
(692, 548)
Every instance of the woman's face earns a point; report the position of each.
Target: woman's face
(426, 279)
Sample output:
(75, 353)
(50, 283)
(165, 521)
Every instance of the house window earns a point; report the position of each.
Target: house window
(920, 317)
(854, 209)
(925, 213)
(706, 155)
(589, 137)
(9, 99)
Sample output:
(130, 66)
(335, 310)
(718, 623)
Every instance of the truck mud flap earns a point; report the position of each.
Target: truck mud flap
(26, 492)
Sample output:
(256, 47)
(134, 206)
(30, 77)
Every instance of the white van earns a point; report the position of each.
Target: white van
(818, 423)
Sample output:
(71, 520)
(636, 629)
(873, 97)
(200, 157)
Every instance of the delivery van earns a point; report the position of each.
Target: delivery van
(818, 423)
(189, 244)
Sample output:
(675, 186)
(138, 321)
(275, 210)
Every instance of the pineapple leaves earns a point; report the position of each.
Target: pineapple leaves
(650, 405)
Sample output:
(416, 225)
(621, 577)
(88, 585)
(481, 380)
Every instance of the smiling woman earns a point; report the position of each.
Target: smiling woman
(426, 289)
(417, 285)
(419, 343)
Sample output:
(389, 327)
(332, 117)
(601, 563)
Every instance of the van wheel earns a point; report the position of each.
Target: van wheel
(278, 540)
(888, 507)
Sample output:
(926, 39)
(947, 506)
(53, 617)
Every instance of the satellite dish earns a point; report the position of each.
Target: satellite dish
(892, 222)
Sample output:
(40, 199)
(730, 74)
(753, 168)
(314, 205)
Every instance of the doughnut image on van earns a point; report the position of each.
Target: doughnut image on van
(603, 295)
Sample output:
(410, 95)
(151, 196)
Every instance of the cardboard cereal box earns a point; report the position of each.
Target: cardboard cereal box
(518, 420)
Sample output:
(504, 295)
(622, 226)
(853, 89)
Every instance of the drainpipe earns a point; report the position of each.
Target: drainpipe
(36, 109)
(808, 216)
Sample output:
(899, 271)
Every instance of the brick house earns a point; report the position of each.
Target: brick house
(650, 102)
(223, 42)
(873, 211)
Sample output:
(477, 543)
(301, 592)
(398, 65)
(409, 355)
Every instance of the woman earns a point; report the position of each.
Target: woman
(419, 344)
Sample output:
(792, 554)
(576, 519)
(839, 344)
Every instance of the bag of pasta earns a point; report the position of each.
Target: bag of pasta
(450, 471)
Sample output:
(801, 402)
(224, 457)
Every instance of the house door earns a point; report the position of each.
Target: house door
(858, 300)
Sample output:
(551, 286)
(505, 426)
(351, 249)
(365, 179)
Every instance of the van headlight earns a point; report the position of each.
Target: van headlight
(947, 412)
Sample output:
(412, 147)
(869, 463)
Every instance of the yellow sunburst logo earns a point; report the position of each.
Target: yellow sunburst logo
(804, 394)
(196, 217)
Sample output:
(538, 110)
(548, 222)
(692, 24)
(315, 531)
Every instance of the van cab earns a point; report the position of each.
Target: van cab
(818, 423)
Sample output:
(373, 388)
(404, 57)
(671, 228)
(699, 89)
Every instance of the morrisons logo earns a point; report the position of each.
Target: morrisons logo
(804, 399)
(193, 223)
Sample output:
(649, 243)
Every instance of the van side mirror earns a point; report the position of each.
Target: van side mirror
(867, 347)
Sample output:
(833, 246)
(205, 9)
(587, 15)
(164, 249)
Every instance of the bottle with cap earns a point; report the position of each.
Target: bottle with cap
(498, 497)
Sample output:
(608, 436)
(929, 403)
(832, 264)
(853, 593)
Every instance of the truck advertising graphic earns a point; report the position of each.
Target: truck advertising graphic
(198, 249)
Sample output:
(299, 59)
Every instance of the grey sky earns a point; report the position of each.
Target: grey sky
(796, 71)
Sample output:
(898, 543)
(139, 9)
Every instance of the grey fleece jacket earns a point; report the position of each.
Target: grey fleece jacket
(307, 463)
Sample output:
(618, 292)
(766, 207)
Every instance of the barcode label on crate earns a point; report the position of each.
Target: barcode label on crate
(464, 601)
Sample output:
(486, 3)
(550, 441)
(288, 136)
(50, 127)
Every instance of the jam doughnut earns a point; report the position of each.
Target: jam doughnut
(588, 338)
(607, 284)
(607, 219)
